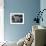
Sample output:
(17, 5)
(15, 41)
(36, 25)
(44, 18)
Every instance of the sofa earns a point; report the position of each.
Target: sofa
(39, 33)
(39, 37)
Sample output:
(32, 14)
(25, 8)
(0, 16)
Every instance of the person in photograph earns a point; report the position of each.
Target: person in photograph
(17, 19)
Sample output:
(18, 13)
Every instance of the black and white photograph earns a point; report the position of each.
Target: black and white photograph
(16, 18)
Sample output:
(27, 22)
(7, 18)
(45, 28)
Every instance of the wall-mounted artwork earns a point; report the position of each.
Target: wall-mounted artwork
(16, 18)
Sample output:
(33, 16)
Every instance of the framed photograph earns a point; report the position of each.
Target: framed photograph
(16, 18)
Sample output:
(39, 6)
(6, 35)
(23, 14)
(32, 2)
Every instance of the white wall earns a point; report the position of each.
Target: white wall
(1, 21)
(43, 6)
